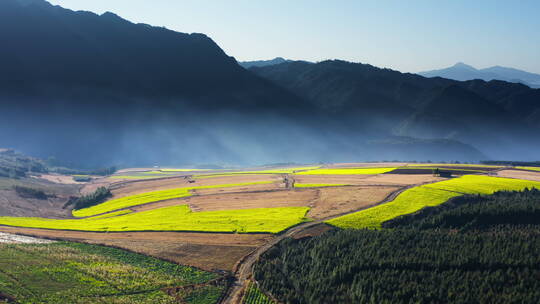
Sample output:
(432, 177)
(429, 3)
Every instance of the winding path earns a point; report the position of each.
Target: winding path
(244, 269)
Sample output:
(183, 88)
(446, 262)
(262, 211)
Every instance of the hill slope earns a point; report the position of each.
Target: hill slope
(497, 117)
(80, 86)
(98, 90)
(261, 63)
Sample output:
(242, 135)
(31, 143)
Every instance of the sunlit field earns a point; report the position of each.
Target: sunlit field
(177, 218)
(414, 199)
(149, 197)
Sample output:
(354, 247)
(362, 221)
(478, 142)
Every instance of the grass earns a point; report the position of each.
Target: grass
(149, 197)
(299, 185)
(435, 194)
(347, 171)
(176, 218)
(80, 273)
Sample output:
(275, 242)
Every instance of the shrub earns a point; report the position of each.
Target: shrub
(28, 192)
(95, 198)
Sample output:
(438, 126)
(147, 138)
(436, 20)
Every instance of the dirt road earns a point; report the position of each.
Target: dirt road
(244, 269)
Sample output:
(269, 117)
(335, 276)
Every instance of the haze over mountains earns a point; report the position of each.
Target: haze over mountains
(98, 89)
(262, 63)
(463, 72)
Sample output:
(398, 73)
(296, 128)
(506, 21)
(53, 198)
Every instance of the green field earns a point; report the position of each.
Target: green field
(300, 185)
(177, 218)
(149, 197)
(347, 171)
(79, 273)
(417, 198)
(255, 296)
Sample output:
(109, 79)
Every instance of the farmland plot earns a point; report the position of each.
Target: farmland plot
(146, 198)
(80, 273)
(177, 218)
(417, 198)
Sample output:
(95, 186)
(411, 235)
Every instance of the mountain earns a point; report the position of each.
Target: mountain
(91, 88)
(463, 72)
(261, 63)
(98, 90)
(498, 118)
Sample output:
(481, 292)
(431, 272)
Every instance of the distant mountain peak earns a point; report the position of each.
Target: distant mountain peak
(113, 16)
(262, 63)
(464, 72)
(462, 65)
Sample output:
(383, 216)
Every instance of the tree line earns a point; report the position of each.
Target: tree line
(475, 249)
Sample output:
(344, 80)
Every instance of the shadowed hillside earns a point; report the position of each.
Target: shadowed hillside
(497, 117)
(97, 90)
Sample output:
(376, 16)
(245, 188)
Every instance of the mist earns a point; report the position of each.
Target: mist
(92, 134)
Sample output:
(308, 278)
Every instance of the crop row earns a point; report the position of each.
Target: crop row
(255, 296)
(81, 273)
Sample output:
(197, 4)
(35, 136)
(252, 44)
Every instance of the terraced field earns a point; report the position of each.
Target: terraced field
(149, 197)
(177, 218)
(417, 198)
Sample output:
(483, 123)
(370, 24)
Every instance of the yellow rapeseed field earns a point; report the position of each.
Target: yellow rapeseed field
(417, 198)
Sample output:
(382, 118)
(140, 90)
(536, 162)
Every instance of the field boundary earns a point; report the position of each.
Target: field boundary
(243, 269)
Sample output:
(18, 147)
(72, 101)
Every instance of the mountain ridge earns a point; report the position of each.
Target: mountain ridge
(101, 90)
(486, 115)
(463, 72)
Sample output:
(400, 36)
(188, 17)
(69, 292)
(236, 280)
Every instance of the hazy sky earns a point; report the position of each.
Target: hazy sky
(407, 35)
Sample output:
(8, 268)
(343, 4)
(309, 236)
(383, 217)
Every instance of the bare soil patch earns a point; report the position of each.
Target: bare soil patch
(337, 200)
(138, 187)
(331, 179)
(400, 179)
(360, 165)
(239, 200)
(248, 188)
(12, 204)
(313, 231)
(529, 175)
(365, 180)
(207, 251)
(59, 179)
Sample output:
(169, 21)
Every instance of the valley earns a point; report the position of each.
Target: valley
(222, 221)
